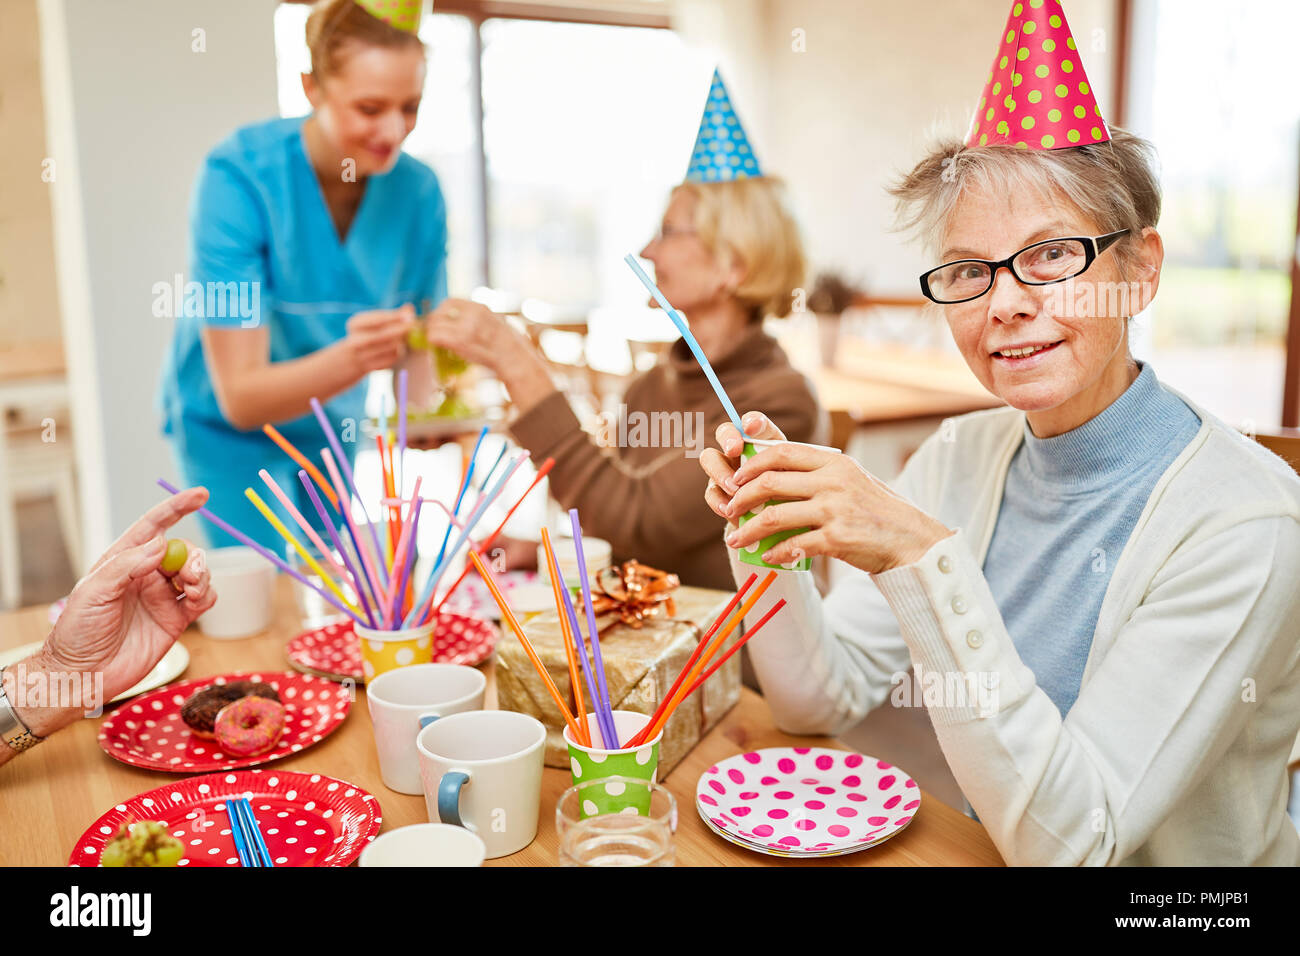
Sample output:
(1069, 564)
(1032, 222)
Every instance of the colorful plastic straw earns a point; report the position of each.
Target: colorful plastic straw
(399, 557)
(509, 617)
(302, 462)
(363, 555)
(693, 345)
(700, 645)
(735, 647)
(360, 579)
(570, 650)
(342, 459)
(655, 726)
(592, 634)
(410, 564)
(425, 602)
(311, 562)
(402, 377)
(460, 495)
(488, 541)
(302, 522)
(263, 551)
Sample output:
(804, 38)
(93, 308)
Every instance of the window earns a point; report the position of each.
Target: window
(1213, 88)
(586, 129)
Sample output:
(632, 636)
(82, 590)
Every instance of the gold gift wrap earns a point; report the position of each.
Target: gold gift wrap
(640, 667)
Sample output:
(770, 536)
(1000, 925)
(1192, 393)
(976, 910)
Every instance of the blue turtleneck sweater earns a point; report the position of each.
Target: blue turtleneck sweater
(1069, 506)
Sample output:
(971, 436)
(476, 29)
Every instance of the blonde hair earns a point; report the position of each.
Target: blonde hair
(1115, 184)
(751, 220)
(335, 24)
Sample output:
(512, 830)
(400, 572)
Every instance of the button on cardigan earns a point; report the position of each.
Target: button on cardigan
(1175, 750)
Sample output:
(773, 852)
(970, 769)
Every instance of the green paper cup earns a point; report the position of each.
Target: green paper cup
(596, 761)
(753, 554)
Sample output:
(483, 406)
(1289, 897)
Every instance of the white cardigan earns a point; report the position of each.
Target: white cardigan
(1175, 752)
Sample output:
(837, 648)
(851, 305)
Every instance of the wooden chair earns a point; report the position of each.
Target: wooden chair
(1283, 442)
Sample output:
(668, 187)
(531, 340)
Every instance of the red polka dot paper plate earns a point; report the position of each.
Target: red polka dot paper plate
(148, 732)
(333, 651)
(806, 801)
(306, 819)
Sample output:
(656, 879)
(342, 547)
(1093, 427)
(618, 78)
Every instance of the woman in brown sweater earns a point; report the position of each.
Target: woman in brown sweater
(727, 254)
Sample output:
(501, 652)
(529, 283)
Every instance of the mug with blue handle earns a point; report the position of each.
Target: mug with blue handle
(403, 701)
(482, 770)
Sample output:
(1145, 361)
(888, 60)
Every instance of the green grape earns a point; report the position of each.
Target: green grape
(116, 850)
(447, 363)
(175, 557)
(142, 844)
(416, 340)
(453, 406)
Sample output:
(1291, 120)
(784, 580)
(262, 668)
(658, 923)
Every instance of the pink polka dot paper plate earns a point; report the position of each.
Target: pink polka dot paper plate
(332, 650)
(148, 732)
(306, 819)
(806, 801)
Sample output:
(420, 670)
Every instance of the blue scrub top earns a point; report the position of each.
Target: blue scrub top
(264, 249)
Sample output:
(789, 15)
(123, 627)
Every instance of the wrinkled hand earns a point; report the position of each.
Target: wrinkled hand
(125, 614)
(849, 513)
(376, 340)
(721, 466)
(475, 333)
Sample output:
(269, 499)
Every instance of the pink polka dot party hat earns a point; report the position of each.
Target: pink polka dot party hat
(1037, 95)
(402, 14)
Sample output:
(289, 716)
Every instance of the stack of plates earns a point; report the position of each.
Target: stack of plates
(806, 802)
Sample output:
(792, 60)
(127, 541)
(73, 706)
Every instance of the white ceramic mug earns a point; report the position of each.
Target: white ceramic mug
(425, 844)
(482, 770)
(245, 585)
(404, 700)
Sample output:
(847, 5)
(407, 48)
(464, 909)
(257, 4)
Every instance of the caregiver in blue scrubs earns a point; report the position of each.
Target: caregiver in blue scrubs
(311, 239)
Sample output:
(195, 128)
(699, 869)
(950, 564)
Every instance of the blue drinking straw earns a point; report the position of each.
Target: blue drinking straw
(464, 486)
(680, 321)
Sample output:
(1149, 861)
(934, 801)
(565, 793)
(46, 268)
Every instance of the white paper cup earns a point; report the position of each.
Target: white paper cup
(245, 585)
(404, 700)
(425, 844)
(482, 769)
(597, 551)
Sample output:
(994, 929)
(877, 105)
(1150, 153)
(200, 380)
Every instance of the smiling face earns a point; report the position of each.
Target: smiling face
(1081, 325)
(369, 105)
(689, 275)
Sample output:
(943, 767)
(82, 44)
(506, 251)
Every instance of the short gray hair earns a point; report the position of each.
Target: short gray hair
(1115, 184)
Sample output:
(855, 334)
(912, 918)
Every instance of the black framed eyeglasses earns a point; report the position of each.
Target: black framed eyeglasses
(1043, 263)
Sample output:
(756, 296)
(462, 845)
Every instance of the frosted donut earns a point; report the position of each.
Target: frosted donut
(250, 725)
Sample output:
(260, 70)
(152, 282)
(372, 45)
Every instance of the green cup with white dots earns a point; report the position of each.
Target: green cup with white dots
(753, 553)
(597, 761)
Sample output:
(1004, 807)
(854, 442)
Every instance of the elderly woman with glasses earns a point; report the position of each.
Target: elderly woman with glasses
(1095, 585)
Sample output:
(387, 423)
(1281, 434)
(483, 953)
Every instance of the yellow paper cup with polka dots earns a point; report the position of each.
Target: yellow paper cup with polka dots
(598, 760)
(383, 651)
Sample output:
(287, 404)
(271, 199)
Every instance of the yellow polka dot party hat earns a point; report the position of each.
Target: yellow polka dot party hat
(402, 14)
(1037, 95)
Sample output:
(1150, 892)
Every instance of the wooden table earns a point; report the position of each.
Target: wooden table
(49, 795)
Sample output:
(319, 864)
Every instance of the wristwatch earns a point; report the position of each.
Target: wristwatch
(12, 730)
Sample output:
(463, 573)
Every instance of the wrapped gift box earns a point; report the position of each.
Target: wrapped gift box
(640, 667)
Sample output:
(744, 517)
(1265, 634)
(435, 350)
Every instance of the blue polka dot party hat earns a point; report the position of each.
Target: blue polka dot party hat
(722, 149)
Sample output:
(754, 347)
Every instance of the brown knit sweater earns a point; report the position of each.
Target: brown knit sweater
(647, 500)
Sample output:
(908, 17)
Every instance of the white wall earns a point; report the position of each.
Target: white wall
(877, 81)
(132, 107)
